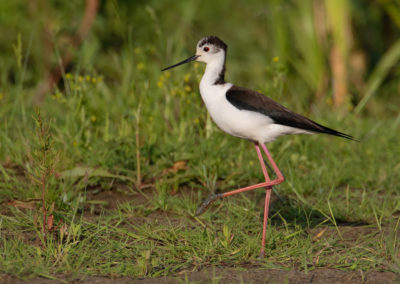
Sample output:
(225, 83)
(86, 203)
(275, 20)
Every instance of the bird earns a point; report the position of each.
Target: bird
(247, 114)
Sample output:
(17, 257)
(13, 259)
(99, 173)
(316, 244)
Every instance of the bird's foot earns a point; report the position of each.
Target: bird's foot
(206, 203)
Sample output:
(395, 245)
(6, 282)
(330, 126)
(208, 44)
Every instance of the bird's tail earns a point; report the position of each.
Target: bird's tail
(330, 131)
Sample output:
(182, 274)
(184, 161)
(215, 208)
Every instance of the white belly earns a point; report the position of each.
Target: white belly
(245, 124)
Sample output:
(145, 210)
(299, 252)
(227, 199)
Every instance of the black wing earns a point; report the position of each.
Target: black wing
(246, 99)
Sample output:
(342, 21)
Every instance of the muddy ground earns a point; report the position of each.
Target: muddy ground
(239, 275)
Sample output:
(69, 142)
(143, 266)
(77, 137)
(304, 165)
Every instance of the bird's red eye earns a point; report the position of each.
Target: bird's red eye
(206, 48)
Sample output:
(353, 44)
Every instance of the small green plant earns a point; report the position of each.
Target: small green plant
(43, 161)
(227, 236)
(137, 137)
(143, 262)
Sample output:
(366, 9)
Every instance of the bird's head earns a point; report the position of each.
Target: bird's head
(209, 49)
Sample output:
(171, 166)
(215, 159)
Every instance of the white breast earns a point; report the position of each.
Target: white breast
(240, 123)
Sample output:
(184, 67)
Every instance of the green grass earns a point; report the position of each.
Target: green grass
(330, 183)
(135, 152)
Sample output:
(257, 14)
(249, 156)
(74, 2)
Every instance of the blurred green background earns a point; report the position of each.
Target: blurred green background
(340, 52)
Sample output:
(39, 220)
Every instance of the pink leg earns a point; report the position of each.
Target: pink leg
(267, 199)
(266, 207)
(274, 166)
(267, 184)
(268, 193)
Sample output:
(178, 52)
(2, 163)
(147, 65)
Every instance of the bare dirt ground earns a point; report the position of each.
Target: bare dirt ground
(239, 275)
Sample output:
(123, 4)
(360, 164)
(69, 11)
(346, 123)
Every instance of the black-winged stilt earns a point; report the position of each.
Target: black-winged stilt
(246, 114)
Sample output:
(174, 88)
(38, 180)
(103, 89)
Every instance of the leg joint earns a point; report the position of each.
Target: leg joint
(280, 180)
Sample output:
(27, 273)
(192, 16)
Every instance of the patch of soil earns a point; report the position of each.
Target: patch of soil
(231, 275)
(98, 199)
(322, 276)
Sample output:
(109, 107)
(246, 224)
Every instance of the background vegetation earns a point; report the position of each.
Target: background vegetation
(111, 122)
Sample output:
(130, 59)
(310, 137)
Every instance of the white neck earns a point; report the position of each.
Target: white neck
(213, 71)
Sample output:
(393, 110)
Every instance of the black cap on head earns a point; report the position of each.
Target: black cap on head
(214, 41)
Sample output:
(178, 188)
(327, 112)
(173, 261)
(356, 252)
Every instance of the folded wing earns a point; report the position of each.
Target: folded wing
(246, 99)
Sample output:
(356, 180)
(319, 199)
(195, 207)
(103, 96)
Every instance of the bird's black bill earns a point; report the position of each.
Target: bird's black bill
(192, 58)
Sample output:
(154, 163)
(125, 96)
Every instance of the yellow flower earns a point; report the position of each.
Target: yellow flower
(80, 78)
(68, 76)
(93, 118)
(137, 50)
(94, 80)
(167, 74)
(186, 78)
(160, 84)
(197, 121)
(56, 96)
(140, 66)
(196, 65)
(88, 78)
(188, 88)
(275, 59)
